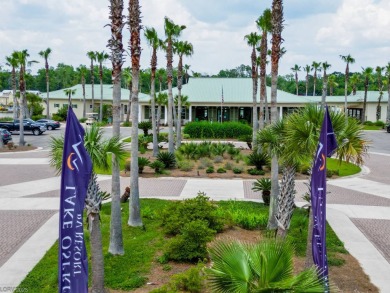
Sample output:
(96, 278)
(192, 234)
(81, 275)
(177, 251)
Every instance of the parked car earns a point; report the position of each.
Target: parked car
(28, 125)
(5, 135)
(50, 124)
(388, 128)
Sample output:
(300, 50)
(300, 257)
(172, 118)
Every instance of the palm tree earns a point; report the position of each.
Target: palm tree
(45, 55)
(264, 24)
(316, 66)
(325, 66)
(82, 69)
(13, 62)
(266, 266)
(92, 55)
(101, 57)
(387, 73)
(307, 69)
(115, 44)
(186, 75)
(97, 148)
(378, 71)
(21, 59)
(154, 42)
(367, 74)
(127, 74)
(354, 80)
(172, 31)
(135, 50)
(349, 60)
(277, 28)
(160, 73)
(253, 40)
(295, 69)
(182, 48)
(332, 83)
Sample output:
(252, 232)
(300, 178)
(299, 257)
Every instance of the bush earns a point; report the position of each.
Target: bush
(162, 137)
(221, 170)
(189, 150)
(210, 170)
(258, 160)
(82, 120)
(205, 129)
(57, 118)
(142, 163)
(175, 216)
(191, 245)
(126, 124)
(127, 165)
(218, 159)
(218, 149)
(379, 123)
(157, 166)
(186, 136)
(205, 163)
(228, 166)
(204, 149)
(167, 158)
(61, 114)
(185, 165)
(237, 170)
(37, 117)
(233, 152)
(145, 126)
(369, 123)
(254, 171)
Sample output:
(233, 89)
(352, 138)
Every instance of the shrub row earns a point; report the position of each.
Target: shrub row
(205, 129)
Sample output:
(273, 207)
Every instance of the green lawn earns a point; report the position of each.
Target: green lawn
(143, 244)
(344, 169)
(372, 127)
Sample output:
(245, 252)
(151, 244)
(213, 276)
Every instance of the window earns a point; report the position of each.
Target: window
(56, 105)
(74, 106)
(90, 106)
(65, 105)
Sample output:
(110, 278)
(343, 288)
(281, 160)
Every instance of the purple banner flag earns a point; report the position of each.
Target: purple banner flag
(326, 146)
(76, 172)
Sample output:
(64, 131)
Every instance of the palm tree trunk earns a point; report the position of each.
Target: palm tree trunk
(273, 206)
(22, 108)
(84, 101)
(158, 119)
(101, 101)
(92, 86)
(47, 95)
(324, 90)
(129, 105)
(15, 101)
(170, 97)
(153, 102)
(116, 46)
(263, 83)
(388, 103)
(307, 83)
(135, 48)
(286, 200)
(255, 120)
(179, 86)
(97, 258)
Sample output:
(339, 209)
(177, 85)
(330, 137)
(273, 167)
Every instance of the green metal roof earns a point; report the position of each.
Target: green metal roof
(107, 93)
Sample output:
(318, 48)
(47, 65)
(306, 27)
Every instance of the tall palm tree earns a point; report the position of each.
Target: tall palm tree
(295, 69)
(161, 73)
(97, 148)
(13, 62)
(101, 57)
(332, 83)
(316, 66)
(69, 93)
(353, 81)
(115, 44)
(186, 75)
(82, 69)
(387, 73)
(325, 66)
(92, 55)
(380, 84)
(349, 60)
(135, 50)
(127, 74)
(172, 31)
(277, 28)
(182, 48)
(367, 74)
(307, 70)
(253, 40)
(264, 24)
(154, 42)
(45, 55)
(266, 266)
(161, 100)
(21, 58)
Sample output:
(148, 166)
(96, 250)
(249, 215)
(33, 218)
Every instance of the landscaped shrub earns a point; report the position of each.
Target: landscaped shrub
(142, 163)
(237, 170)
(205, 163)
(189, 150)
(221, 170)
(82, 120)
(185, 165)
(233, 152)
(218, 159)
(210, 170)
(218, 149)
(228, 166)
(145, 126)
(127, 165)
(157, 166)
(204, 149)
(205, 129)
(379, 123)
(175, 216)
(258, 160)
(254, 171)
(167, 158)
(191, 244)
(369, 123)
(162, 137)
(126, 124)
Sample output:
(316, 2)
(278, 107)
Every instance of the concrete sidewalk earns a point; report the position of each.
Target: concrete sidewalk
(358, 210)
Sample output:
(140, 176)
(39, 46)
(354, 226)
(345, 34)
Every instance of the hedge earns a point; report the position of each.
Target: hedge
(205, 129)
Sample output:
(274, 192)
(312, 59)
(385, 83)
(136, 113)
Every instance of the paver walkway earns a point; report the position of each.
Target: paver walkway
(358, 209)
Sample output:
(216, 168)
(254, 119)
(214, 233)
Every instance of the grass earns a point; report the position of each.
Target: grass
(372, 127)
(128, 139)
(129, 271)
(344, 169)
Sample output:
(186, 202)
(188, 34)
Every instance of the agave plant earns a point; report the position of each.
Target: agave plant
(263, 185)
(258, 160)
(266, 266)
(167, 158)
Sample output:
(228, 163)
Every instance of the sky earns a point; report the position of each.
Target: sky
(314, 30)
